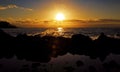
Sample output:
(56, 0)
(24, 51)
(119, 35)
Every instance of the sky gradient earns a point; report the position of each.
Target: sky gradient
(46, 9)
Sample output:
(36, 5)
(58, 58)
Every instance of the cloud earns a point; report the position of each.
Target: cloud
(110, 20)
(14, 6)
(2, 8)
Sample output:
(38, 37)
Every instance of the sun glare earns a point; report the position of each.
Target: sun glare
(60, 17)
(60, 29)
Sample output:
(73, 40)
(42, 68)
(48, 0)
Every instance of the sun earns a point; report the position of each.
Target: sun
(60, 17)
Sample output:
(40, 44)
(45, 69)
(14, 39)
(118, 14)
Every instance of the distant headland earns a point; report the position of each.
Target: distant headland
(5, 24)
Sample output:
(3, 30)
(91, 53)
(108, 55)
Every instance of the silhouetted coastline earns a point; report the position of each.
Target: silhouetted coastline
(41, 49)
(5, 24)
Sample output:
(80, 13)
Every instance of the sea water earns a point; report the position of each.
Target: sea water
(68, 32)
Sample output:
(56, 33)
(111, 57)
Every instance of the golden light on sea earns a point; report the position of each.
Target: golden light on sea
(60, 29)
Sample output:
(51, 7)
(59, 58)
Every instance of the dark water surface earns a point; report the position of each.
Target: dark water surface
(92, 32)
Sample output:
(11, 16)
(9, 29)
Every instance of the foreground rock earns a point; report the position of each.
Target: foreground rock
(41, 49)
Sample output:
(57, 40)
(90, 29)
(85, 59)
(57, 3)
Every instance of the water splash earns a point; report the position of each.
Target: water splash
(53, 32)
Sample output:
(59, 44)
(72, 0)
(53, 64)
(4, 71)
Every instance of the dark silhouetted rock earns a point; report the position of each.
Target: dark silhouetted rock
(6, 44)
(25, 68)
(69, 69)
(79, 63)
(41, 49)
(111, 66)
(92, 69)
(4, 24)
(34, 65)
(80, 44)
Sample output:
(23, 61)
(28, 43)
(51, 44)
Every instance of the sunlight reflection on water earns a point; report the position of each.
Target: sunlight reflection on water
(57, 32)
(65, 32)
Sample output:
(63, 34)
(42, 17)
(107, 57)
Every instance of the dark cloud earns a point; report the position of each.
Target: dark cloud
(14, 6)
(110, 20)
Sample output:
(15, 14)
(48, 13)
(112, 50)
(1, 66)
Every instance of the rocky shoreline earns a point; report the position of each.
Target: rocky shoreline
(41, 49)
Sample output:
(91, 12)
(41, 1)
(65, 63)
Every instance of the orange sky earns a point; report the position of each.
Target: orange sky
(29, 13)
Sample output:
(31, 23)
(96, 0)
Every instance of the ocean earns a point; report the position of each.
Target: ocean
(67, 32)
